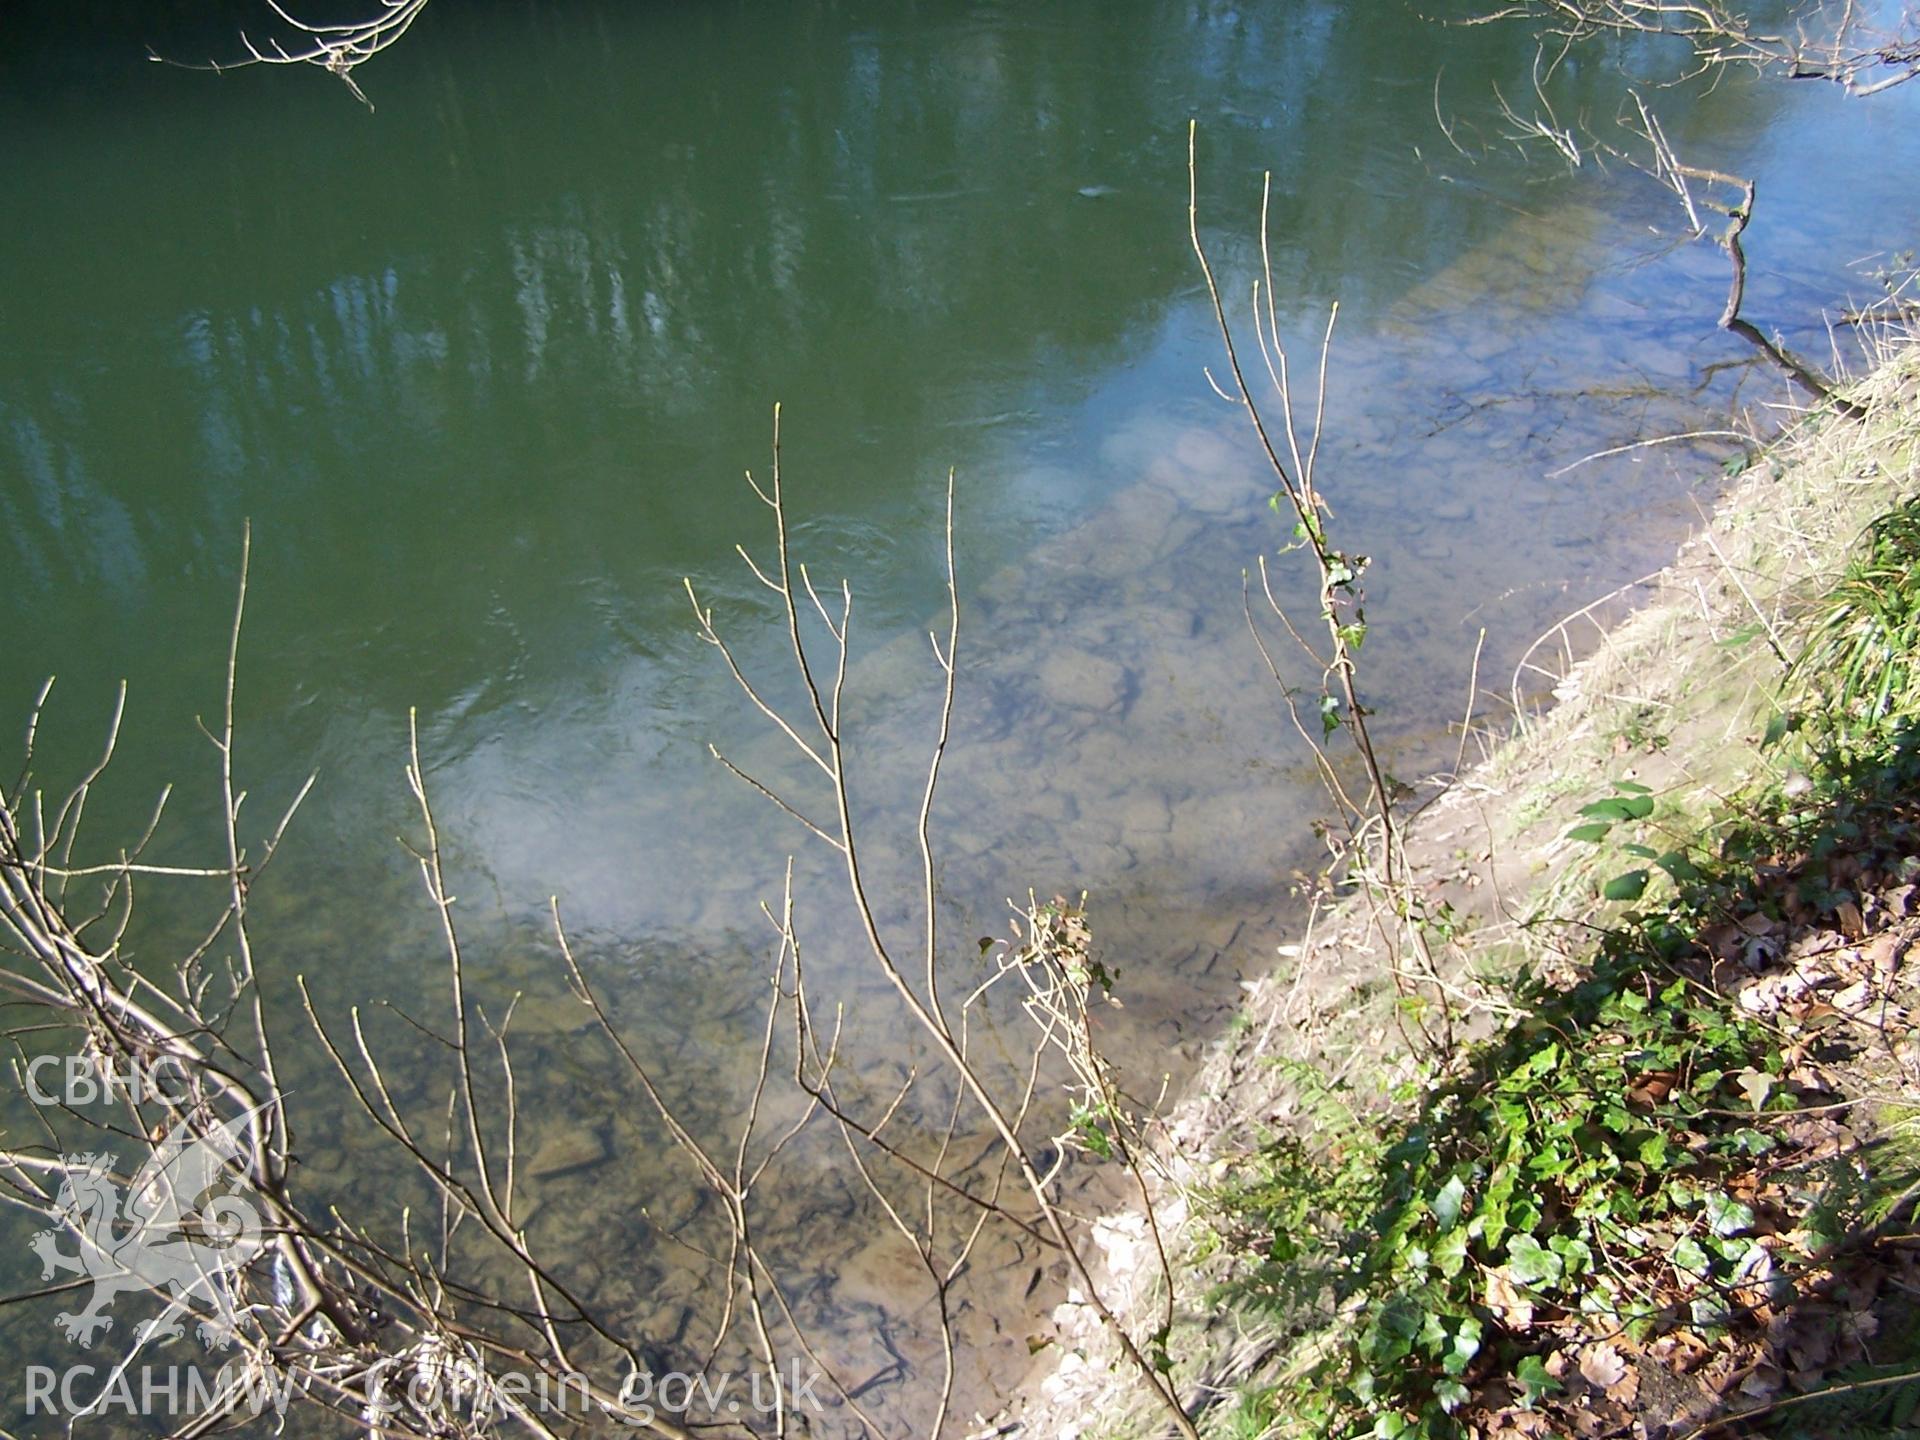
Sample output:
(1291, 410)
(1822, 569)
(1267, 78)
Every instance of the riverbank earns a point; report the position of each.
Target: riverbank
(1648, 1188)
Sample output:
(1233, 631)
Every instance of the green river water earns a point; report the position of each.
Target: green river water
(483, 367)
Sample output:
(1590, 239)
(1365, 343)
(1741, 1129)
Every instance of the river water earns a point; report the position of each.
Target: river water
(483, 367)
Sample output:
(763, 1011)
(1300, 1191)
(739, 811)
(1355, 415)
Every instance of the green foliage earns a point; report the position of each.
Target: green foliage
(1630, 804)
(1641, 730)
(1289, 1200)
(1582, 1167)
(1610, 1164)
(1591, 1127)
(1250, 1416)
(1859, 667)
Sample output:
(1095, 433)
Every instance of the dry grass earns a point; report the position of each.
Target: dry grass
(1679, 695)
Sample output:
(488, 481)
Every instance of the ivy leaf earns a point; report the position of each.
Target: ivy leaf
(1710, 1310)
(1531, 1264)
(1466, 1345)
(1592, 832)
(1450, 1255)
(1390, 1338)
(1491, 1222)
(1535, 1382)
(1446, 1204)
(1727, 1216)
(1575, 1254)
(1690, 1261)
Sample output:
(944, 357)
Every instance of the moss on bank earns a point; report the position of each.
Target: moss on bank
(1668, 1185)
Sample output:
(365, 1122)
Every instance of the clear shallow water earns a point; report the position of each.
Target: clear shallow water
(483, 368)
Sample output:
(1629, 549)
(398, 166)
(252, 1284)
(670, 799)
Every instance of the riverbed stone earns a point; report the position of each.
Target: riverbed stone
(1143, 507)
(1208, 491)
(1142, 812)
(565, 1149)
(549, 1015)
(1081, 680)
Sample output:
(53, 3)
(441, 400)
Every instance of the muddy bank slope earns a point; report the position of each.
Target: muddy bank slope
(1679, 702)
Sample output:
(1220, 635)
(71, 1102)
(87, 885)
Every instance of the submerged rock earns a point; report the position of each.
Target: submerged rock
(567, 1149)
(1082, 680)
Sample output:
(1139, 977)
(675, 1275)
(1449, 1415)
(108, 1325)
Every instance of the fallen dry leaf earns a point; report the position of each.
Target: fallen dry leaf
(1680, 1351)
(1756, 1085)
(1627, 1390)
(1811, 1346)
(1602, 1367)
(1507, 1302)
(1762, 1383)
(1651, 1088)
(1595, 1424)
(1854, 999)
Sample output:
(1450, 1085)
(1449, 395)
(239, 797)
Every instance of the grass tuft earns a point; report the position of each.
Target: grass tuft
(1860, 665)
